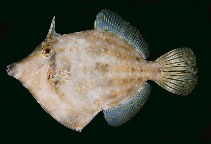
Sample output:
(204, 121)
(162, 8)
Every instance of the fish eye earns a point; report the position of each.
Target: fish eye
(47, 50)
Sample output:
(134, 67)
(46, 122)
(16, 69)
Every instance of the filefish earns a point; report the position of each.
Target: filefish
(75, 76)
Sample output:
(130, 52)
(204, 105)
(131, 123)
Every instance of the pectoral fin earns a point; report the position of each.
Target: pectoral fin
(125, 111)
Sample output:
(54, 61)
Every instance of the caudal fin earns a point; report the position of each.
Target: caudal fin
(178, 71)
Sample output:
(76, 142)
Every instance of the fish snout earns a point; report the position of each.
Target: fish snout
(10, 69)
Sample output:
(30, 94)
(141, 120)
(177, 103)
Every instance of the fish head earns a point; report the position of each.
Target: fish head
(36, 71)
(41, 73)
(36, 66)
(37, 63)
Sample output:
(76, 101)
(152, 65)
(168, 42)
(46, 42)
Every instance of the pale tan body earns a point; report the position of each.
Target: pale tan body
(88, 72)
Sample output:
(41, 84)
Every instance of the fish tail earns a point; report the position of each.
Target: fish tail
(178, 71)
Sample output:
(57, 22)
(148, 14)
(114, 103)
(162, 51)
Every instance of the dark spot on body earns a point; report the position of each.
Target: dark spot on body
(56, 82)
(112, 96)
(49, 73)
(102, 67)
(139, 79)
(133, 69)
(138, 58)
(129, 89)
(125, 81)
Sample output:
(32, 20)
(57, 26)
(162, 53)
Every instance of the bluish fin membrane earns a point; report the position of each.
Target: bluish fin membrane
(125, 111)
(108, 20)
(178, 71)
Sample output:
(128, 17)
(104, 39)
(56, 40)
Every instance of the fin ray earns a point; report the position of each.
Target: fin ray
(178, 71)
(125, 111)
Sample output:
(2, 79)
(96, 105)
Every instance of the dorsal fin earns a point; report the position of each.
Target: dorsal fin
(108, 20)
(52, 32)
(122, 113)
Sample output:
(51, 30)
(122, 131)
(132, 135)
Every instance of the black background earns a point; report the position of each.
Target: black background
(165, 24)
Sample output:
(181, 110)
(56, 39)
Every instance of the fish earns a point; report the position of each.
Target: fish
(75, 76)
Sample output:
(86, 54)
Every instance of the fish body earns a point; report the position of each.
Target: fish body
(75, 76)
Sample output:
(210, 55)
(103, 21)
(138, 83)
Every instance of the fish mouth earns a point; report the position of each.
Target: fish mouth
(10, 69)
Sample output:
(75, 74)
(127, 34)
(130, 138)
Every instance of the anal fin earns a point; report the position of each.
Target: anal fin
(122, 113)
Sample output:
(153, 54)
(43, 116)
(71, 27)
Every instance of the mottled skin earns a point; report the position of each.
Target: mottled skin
(75, 76)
